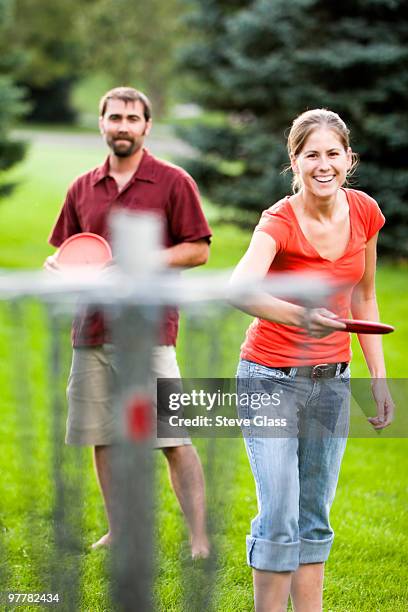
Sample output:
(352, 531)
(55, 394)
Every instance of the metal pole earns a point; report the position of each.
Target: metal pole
(136, 249)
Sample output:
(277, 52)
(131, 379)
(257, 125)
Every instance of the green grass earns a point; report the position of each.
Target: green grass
(367, 568)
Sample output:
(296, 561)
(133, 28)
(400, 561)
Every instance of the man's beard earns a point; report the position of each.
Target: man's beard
(122, 148)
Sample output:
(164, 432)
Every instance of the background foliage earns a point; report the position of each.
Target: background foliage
(138, 43)
(250, 66)
(64, 41)
(258, 64)
(45, 33)
(11, 105)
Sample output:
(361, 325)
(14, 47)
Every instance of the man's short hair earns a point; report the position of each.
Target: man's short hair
(127, 94)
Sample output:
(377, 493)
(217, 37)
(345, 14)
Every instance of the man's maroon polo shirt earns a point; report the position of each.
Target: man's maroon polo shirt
(156, 186)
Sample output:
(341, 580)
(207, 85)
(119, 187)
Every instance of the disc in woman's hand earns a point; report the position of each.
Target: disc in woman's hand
(358, 326)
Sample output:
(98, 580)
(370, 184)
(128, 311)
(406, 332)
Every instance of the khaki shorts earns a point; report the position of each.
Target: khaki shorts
(91, 419)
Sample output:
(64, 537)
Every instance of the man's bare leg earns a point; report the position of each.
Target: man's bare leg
(307, 588)
(271, 590)
(187, 479)
(103, 469)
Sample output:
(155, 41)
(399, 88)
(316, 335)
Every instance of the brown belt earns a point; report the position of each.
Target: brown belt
(321, 370)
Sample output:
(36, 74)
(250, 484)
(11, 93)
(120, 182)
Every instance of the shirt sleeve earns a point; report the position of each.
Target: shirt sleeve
(276, 224)
(67, 223)
(186, 218)
(375, 218)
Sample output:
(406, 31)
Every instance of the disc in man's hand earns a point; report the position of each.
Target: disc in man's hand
(85, 249)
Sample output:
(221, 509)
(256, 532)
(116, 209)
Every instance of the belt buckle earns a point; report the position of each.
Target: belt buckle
(318, 371)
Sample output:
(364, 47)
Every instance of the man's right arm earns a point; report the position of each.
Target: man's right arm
(66, 225)
(51, 263)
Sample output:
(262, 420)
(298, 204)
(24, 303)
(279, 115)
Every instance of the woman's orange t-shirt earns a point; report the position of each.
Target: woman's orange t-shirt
(278, 345)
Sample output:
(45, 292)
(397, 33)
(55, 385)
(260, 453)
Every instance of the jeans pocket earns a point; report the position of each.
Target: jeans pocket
(346, 375)
(261, 371)
(269, 380)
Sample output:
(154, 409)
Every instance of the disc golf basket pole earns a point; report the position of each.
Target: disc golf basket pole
(136, 243)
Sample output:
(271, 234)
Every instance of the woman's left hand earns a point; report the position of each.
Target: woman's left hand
(385, 404)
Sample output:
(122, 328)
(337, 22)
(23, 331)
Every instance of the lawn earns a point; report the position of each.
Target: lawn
(367, 570)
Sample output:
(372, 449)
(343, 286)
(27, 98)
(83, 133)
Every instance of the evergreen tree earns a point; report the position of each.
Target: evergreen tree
(11, 105)
(46, 32)
(261, 63)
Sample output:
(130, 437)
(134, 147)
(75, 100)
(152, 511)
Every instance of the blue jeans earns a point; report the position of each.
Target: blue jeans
(295, 466)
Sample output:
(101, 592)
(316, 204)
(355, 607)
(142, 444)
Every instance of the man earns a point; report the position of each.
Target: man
(133, 179)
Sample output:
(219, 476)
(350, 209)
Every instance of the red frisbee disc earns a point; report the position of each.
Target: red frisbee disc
(365, 327)
(85, 249)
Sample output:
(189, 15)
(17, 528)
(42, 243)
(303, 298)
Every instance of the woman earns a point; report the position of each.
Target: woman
(302, 355)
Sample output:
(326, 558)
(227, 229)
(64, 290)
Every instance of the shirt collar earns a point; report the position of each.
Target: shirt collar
(101, 172)
(144, 172)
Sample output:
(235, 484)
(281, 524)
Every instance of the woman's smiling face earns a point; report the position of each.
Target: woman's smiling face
(322, 164)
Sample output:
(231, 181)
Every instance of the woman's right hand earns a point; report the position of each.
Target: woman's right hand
(320, 322)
